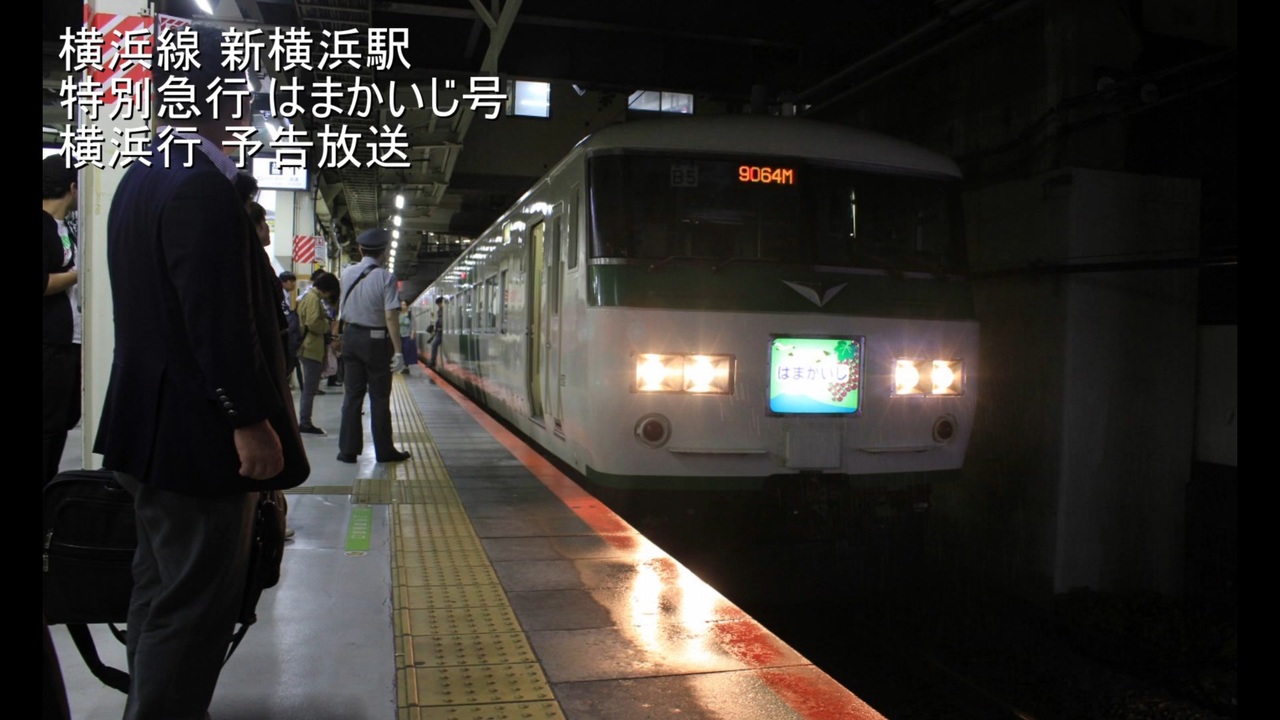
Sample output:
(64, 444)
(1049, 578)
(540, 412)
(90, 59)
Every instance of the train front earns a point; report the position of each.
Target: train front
(750, 316)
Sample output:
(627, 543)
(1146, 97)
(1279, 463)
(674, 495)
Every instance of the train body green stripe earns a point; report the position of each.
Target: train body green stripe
(759, 287)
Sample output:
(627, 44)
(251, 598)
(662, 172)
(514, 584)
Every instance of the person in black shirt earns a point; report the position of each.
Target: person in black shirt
(62, 330)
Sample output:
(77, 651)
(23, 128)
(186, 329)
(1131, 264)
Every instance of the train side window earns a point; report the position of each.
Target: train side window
(853, 214)
(502, 302)
(571, 236)
(491, 303)
(553, 265)
(483, 312)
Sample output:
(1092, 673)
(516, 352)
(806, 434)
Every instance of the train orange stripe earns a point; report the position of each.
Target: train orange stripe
(816, 697)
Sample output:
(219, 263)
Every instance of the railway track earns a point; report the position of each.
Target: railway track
(916, 648)
(870, 612)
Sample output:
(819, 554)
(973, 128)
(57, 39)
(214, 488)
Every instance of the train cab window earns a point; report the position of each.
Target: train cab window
(722, 211)
(651, 240)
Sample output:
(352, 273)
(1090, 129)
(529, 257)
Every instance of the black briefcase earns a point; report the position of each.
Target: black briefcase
(90, 535)
(89, 539)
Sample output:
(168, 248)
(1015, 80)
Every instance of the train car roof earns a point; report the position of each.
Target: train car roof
(767, 135)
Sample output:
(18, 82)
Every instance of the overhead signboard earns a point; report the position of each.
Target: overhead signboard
(271, 176)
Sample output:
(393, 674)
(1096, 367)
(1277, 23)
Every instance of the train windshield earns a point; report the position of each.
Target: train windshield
(671, 208)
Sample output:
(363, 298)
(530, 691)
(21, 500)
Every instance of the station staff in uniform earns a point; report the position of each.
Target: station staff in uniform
(370, 315)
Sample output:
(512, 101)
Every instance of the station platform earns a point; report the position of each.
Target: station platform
(475, 581)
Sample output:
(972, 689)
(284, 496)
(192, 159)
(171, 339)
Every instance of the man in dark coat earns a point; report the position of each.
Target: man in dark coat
(198, 409)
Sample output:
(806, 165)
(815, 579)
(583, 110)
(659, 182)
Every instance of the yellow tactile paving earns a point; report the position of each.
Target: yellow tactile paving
(445, 621)
(503, 711)
(434, 520)
(445, 545)
(471, 684)
(420, 597)
(469, 575)
(438, 520)
(371, 491)
(460, 651)
(481, 649)
(444, 557)
(424, 493)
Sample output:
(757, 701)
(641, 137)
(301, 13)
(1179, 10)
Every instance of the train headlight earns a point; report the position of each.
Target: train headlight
(946, 377)
(906, 378)
(659, 373)
(708, 374)
(699, 374)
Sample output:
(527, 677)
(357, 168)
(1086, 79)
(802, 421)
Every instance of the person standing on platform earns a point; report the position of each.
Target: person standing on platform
(407, 344)
(197, 418)
(62, 328)
(333, 339)
(315, 325)
(293, 337)
(438, 332)
(369, 313)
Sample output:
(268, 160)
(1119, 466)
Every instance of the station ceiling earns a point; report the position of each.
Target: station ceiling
(721, 52)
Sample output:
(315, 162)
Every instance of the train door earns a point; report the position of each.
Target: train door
(534, 333)
(555, 284)
(463, 325)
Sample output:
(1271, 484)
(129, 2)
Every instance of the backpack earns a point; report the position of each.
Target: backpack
(295, 331)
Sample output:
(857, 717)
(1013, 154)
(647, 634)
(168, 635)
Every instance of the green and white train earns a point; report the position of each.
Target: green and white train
(707, 303)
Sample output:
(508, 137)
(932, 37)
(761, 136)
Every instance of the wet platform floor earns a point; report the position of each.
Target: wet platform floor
(476, 581)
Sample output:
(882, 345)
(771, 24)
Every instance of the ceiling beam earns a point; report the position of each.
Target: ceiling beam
(399, 8)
